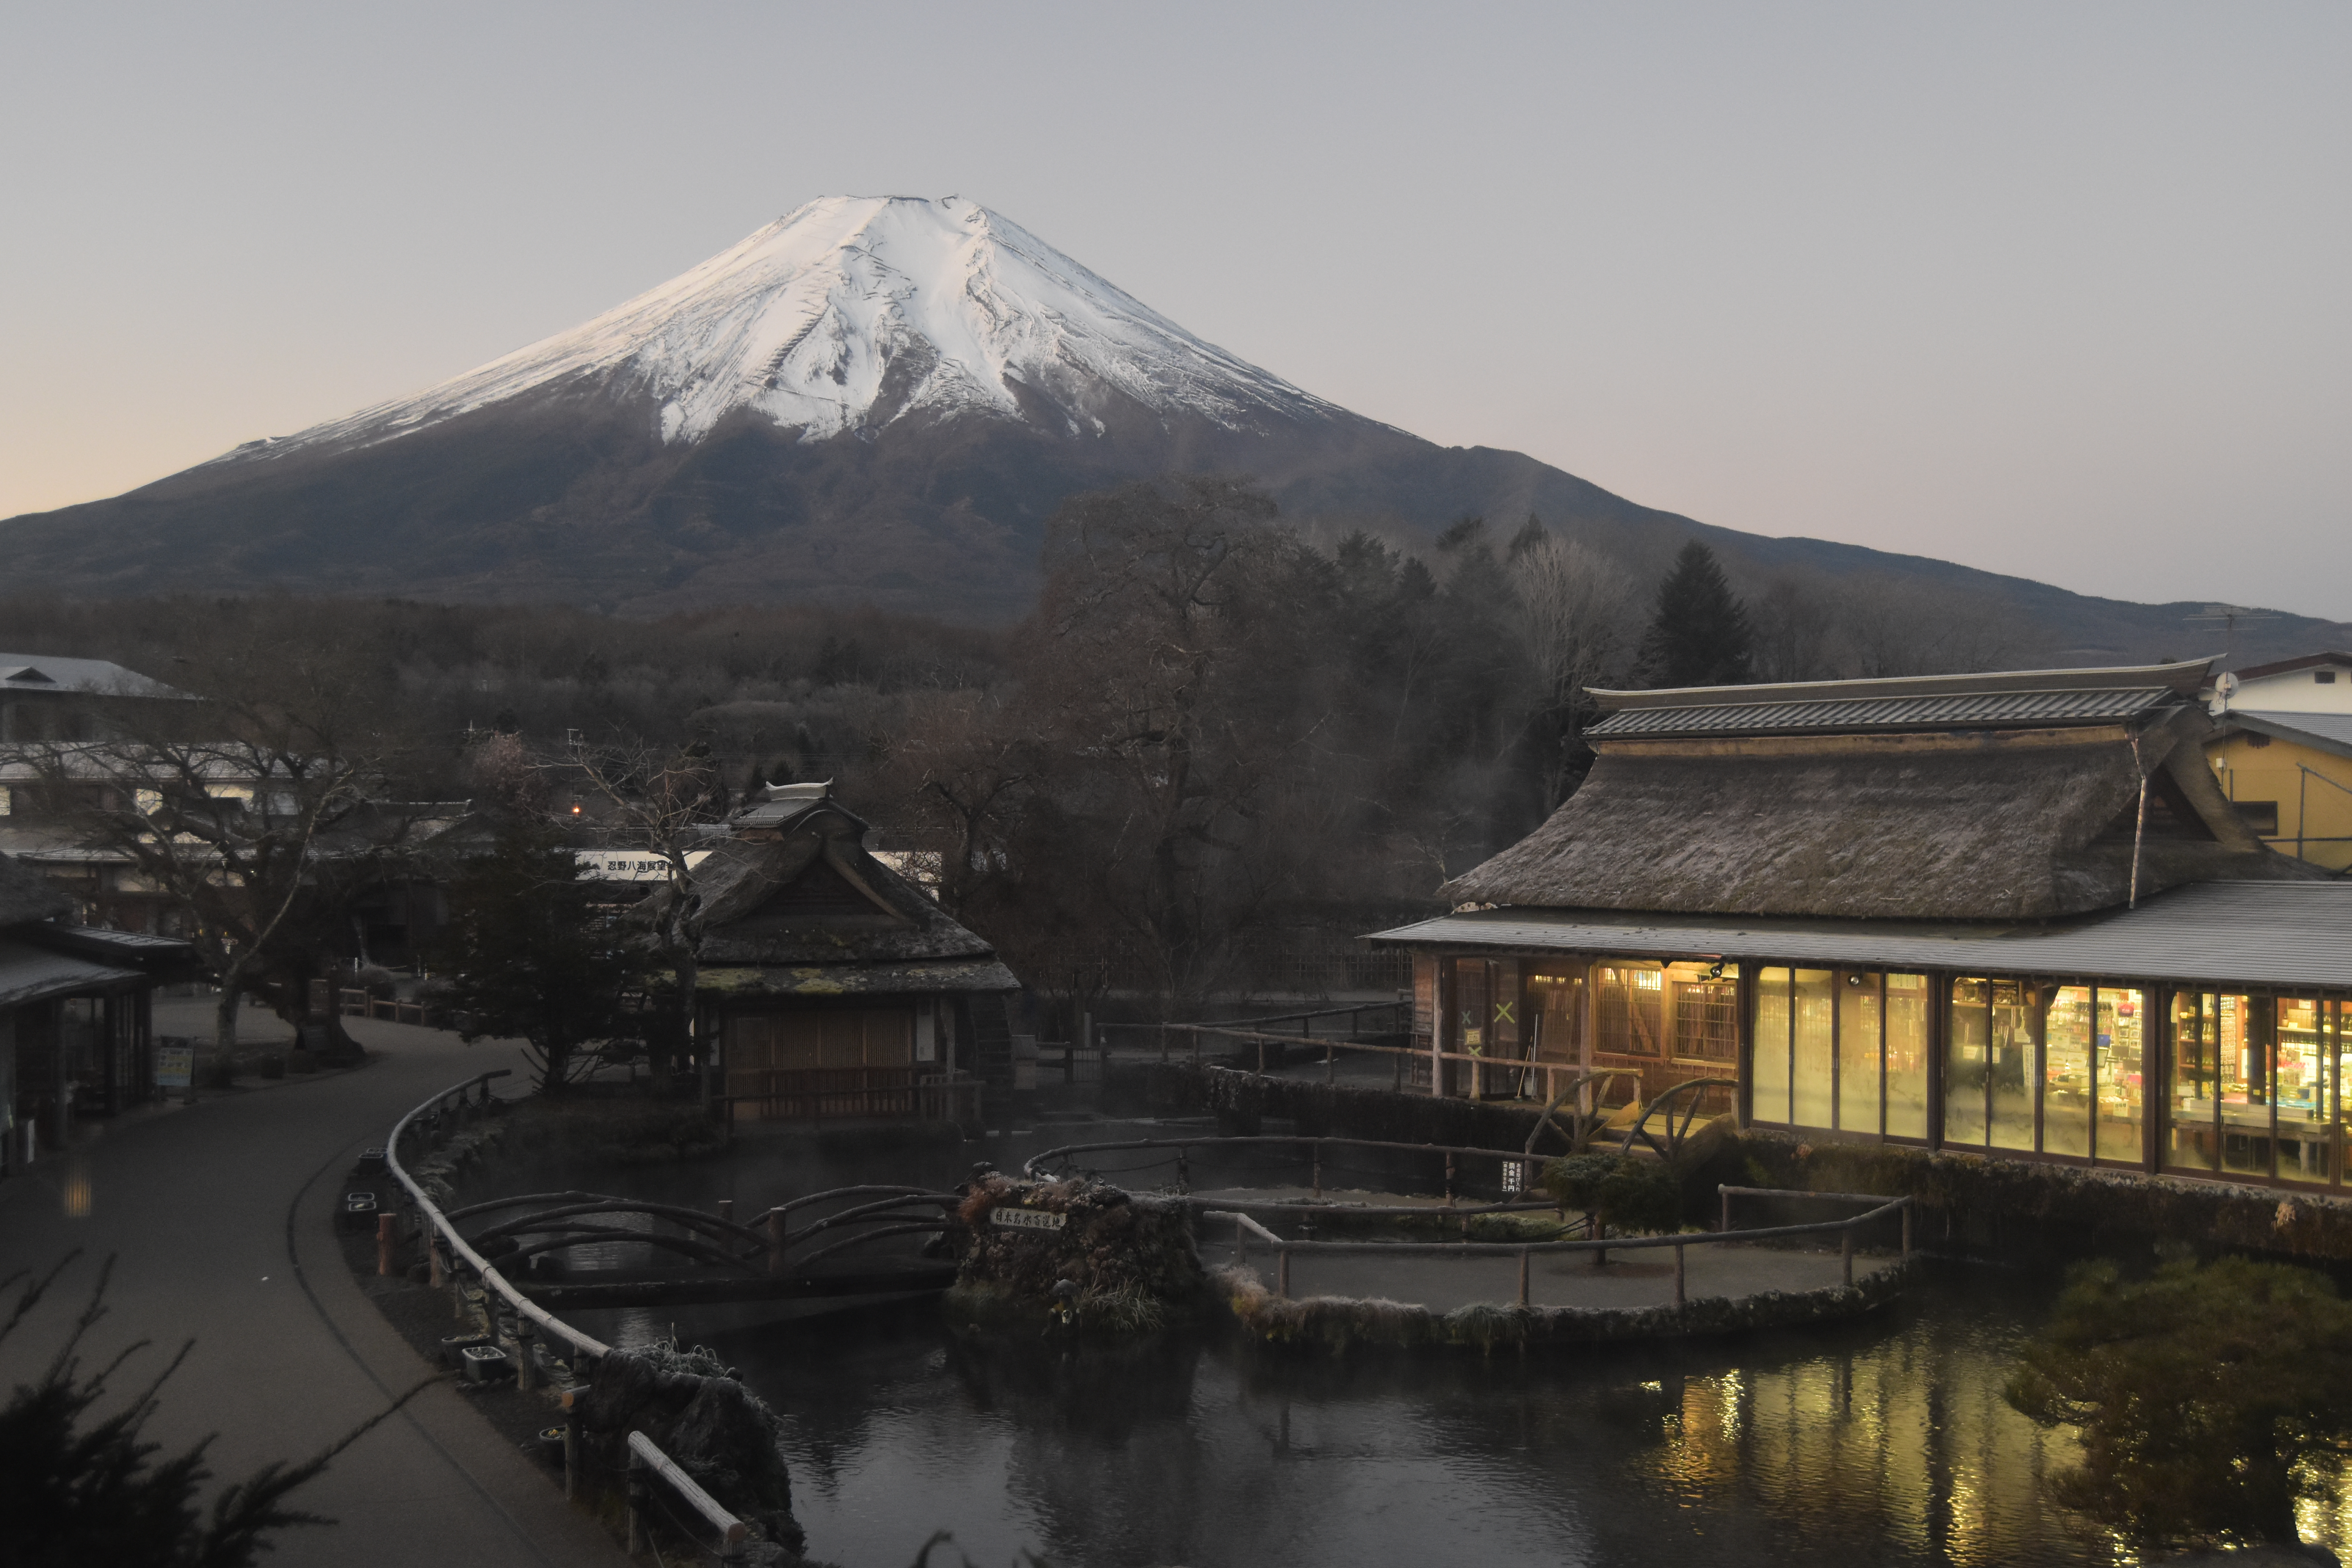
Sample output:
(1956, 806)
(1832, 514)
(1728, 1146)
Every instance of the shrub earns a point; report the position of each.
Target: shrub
(1624, 1194)
(2209, 1399)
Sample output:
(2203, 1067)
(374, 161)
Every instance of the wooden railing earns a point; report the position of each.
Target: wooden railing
(1245, 1227)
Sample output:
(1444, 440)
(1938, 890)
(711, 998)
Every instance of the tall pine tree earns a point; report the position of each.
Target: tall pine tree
(1698, 632)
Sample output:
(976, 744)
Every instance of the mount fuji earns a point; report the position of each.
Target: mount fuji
(868, 400)
(874, 400)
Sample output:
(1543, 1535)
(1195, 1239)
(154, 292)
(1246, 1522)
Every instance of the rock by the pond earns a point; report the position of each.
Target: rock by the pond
(1076, 1254)
(718, 1431)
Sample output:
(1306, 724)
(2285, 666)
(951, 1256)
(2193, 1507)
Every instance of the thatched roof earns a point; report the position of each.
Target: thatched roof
(806, 893)
(26, 895)
(1965, 825)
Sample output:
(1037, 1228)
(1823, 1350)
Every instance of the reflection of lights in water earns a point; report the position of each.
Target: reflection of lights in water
(76, 1191)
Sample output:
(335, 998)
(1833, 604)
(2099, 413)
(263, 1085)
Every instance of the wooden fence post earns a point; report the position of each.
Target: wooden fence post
(570, 1444)
(1906, 1230)
(637, 1504)
(775, 1241)
(1726, 1211)
(1282, 1274)
(1680, 1297)
(1523, 1275)
(383, 1224)
(1845, 1253)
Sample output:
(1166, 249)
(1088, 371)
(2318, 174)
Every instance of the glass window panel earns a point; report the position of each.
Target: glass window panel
(2338, 1019)
(1629, 1009)
(1906, 1055)
(2189, 1142)
(1859, 1007)
(2242, 1026)
(1768, 1072)
(2066, 1070)
(2306, 1143)
(1557, 1002)
(2118, 1085)
(2015, 1023)
(1966, 1061)
(1808, 1090)
(1706, 1012)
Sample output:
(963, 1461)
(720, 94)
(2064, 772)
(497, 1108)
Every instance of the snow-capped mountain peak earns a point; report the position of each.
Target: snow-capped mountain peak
(852, 313)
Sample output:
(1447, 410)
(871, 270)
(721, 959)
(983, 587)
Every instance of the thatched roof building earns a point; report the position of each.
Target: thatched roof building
(792, 903)
(835, 987)
(2006, 796)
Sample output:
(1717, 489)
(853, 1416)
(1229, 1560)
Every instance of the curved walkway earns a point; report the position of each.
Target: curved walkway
(221, 1214)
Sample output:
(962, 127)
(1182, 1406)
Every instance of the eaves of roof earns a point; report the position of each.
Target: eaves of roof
(2293, 935)
(1977, 710)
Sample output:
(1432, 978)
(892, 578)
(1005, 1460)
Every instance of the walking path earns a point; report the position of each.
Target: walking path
(220, 1216)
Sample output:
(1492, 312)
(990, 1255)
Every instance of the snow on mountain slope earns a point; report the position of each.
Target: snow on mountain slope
(853, 313)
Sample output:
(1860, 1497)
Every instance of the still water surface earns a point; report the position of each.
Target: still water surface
(1882, 1441)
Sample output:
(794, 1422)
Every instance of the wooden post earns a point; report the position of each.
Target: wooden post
(570, 1444)
(1681, 1299)
(1523, 1275)
(1261, 1058)
(637, 1504)
(1906, 1230)
(433, 1251)
(1241, 1243)
(1726, 1211)
(526, 1364)
(1845, 1253)
(775, 1241)
(1318, 1170)
(1282, 1274)
(1599, 1229)
(383, 1224)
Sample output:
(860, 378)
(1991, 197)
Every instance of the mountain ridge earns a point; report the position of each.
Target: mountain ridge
(870, 399)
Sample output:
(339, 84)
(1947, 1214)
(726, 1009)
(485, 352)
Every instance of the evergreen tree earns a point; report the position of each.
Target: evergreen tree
(2209, 1402)
(530, 955)
(79, 1486)
(1698, 632)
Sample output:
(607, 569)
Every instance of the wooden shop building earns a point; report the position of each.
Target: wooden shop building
(2008, 913)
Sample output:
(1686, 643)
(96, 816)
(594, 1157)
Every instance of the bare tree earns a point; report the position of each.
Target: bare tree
(1570, 617)
(956, 766)
(248, 808)
(658, 799)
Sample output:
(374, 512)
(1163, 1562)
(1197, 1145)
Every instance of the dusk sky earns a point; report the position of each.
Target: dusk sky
(2061, 290)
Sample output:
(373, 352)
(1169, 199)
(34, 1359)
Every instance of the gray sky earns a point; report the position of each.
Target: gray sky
(2056, 290)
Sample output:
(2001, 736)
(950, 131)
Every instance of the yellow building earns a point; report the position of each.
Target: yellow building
(2283, 754)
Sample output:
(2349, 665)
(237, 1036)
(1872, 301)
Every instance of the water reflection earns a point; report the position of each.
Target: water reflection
(1885, 1442)
(1881, 1442)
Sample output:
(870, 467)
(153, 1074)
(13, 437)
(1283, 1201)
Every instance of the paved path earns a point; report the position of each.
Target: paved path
(220, 1213)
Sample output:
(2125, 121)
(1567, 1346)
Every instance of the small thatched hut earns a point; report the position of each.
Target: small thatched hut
(831, 985)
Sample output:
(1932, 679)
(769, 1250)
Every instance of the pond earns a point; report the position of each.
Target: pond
(1881, 1441)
